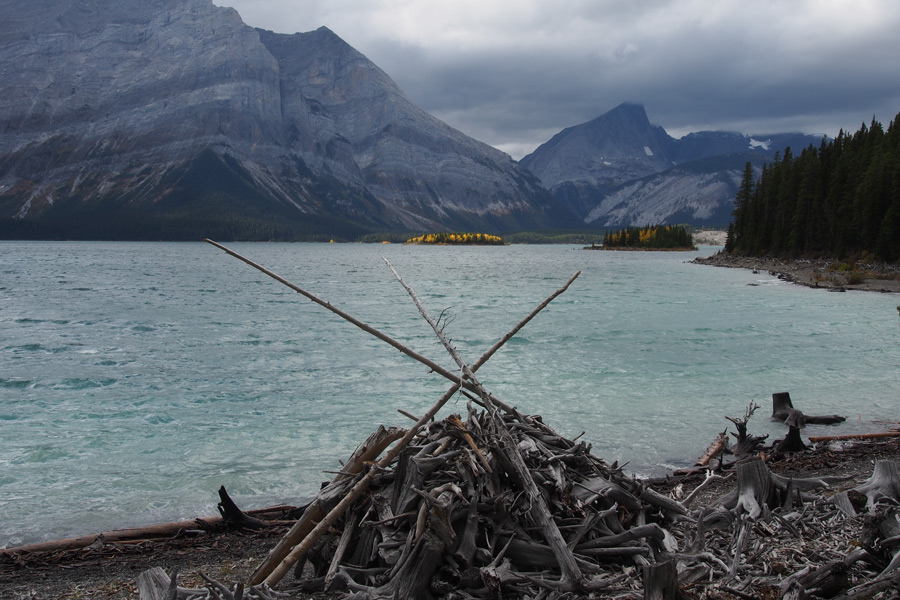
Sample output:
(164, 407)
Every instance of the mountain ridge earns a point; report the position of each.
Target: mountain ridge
(112, 113)
(653, 178)
(173, 119)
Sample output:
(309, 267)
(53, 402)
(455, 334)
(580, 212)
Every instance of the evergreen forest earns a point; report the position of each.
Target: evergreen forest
(656, 237)
(839, 200)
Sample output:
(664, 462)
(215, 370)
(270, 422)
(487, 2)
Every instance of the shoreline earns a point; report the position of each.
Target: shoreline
(824, 274)
(108, 570)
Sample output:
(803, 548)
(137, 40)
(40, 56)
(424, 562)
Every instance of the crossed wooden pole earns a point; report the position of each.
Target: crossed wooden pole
(321, 514)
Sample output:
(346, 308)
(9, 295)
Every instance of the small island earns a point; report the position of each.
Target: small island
(458, 239)
(651, 237)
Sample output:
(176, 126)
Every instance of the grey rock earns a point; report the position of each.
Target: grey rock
(123, 116)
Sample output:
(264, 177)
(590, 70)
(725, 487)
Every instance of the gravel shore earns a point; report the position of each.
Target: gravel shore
(824, 274)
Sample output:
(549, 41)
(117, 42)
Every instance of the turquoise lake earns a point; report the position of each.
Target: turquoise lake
(137, 378)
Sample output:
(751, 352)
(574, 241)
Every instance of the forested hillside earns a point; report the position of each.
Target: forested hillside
(837, 200)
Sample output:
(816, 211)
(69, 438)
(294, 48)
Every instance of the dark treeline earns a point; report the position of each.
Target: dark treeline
(839, 200)
(655, 236)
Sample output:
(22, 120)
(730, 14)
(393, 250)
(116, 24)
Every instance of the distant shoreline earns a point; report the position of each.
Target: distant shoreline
(638, 249)
(828, 274)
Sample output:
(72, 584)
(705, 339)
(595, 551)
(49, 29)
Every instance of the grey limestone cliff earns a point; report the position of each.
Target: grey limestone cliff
(174, 119)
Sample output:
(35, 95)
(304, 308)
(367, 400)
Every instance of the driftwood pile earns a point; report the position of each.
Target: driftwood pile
(495, 504)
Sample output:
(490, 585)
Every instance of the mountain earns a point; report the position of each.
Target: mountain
(172, 119)
(619, 170)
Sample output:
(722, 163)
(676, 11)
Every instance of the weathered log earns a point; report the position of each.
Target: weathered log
(717, 447)
(881, 536)
(155, 584)
(746, 444)
(643, 532)
(824, 581)
(869, 589)
(781, 404)
(661, 582)
(759, 490)
(853, 436)
(158, 531)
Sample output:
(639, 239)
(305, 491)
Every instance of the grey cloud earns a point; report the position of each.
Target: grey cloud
(756, 68)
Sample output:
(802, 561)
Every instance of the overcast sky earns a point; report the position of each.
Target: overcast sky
(512, 73)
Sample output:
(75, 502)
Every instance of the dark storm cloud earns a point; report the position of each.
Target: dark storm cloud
(514, 73)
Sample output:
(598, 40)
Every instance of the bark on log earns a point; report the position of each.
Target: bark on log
(149, 532)
(853, 436)
(717, 447)
(661, 582)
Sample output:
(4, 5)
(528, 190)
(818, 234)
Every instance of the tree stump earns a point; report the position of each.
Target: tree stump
(781, 405)
(782, 409)
(792, 442)
(661, 582)
(758, 489)
(883, 484)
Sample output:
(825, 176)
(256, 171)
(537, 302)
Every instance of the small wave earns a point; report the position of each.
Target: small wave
(83, 384)
(16, 384)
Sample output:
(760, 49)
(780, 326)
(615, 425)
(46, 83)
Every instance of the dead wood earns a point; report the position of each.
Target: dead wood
(782, 407)
(759, 490)
(155, 584)
(853, 436)
(716, 448)
(273, 569)
(234, 516)
(746, 444)
(540, 511)
(883, 485)
(792, 442)
(661, 582)
(328, 498)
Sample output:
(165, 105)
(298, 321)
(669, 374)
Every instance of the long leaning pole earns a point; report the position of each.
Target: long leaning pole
(440, 370)
(276, 566)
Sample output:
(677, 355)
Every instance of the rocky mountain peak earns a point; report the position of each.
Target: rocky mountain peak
(615, 147)
(619, 169)
(120, 117)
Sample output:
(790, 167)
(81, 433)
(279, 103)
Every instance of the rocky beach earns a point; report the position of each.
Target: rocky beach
(828, 274)
(805, 543)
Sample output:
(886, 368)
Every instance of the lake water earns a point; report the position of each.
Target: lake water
(135, 379)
